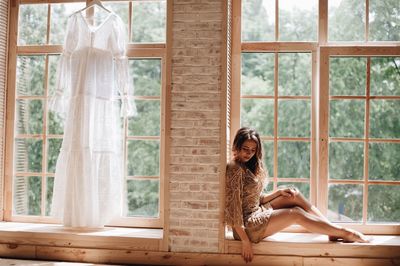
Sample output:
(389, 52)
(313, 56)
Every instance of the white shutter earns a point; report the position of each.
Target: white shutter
(4, 11)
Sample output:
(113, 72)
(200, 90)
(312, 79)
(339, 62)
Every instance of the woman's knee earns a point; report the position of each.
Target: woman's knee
(297, 212)
(301, 201)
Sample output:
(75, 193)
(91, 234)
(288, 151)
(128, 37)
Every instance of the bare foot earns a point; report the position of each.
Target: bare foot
(335, 238)
(355, 236)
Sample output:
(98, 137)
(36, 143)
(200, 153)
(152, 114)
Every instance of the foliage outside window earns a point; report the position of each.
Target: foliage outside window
(350, 143)
(38, 132)
(277, 91)
(261, 106)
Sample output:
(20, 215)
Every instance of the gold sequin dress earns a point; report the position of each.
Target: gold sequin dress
(243, 207)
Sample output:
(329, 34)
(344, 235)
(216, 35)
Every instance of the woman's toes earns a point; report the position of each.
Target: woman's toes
(334, 238)
(355, 236)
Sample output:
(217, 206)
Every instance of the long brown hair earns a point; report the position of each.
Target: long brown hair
(255, 164)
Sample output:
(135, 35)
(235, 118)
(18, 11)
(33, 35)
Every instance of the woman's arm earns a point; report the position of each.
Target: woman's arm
(285, 192)
(247, 250)
(233, 208)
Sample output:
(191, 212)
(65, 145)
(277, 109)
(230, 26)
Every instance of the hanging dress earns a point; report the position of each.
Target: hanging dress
(92, 83)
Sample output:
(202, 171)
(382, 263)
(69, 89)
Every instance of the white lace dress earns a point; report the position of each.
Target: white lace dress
(92, 74)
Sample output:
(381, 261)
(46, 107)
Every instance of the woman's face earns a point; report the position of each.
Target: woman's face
(249, 148)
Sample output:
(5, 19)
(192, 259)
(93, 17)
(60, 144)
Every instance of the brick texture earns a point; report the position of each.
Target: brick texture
(195, 125)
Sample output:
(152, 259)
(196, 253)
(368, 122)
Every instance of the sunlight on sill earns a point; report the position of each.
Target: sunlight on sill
(104, 231)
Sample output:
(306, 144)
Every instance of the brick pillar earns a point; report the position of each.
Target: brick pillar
(195, 125)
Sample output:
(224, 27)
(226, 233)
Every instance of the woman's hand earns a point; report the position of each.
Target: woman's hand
(288, 192)
(247, 251)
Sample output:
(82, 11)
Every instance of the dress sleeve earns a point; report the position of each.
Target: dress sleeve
(58, 102)
(125, 87)
(233, 198)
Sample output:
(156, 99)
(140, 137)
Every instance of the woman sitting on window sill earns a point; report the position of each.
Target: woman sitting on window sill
(254, 216)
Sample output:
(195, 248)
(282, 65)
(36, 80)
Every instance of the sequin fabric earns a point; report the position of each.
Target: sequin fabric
(243, 208)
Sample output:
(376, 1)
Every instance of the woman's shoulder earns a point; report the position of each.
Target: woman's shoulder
(233, 166)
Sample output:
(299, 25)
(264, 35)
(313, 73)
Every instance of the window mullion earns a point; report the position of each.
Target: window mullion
(44, 138)
(314, 135)
(366, 20)
(276, 20)
(276, 85)
(323, 21)
(366, 141)
(322, 200)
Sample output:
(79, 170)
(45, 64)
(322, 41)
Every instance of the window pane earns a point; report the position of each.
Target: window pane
(258, 20)
(269, 187)
(384, 119)
(55, 123)
(143, 198)
(27, 195)
(147, 122)
(257, 74)
(143, 158)
(30, 75)
(295, 74)
(346, 160)
(384, 20)
(347, 76)
(298, 20)
(258, 114)
(148, 21)
(268, 147)
(294, 159)
(294, 118)
(383, 203)
(52, 73)
(49, 194)
(384, 161)
(346, 20)
(29, 116)
(121, 9)
(346, 118)
(28, 155)
(58, 20)
(32, 24)
(53, 149)
(304, 188)
(146, 75)
(345, 203)
(385, 76)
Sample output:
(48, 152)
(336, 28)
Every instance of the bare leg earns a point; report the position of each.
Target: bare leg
(299, 201)
(282, 218)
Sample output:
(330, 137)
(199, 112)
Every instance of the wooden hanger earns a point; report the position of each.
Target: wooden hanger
(92, 3)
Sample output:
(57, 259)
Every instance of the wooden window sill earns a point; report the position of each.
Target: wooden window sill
(316, 245)
(13, 234)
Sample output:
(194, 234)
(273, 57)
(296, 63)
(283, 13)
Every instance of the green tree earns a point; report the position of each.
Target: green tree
(256, 24)
(384, 19)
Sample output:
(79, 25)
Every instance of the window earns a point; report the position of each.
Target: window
(363, 137)
(326, 112)
(369, 20)
(37, 132)
(277, 101)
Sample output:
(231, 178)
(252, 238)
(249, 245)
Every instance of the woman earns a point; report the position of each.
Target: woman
(254, 216)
